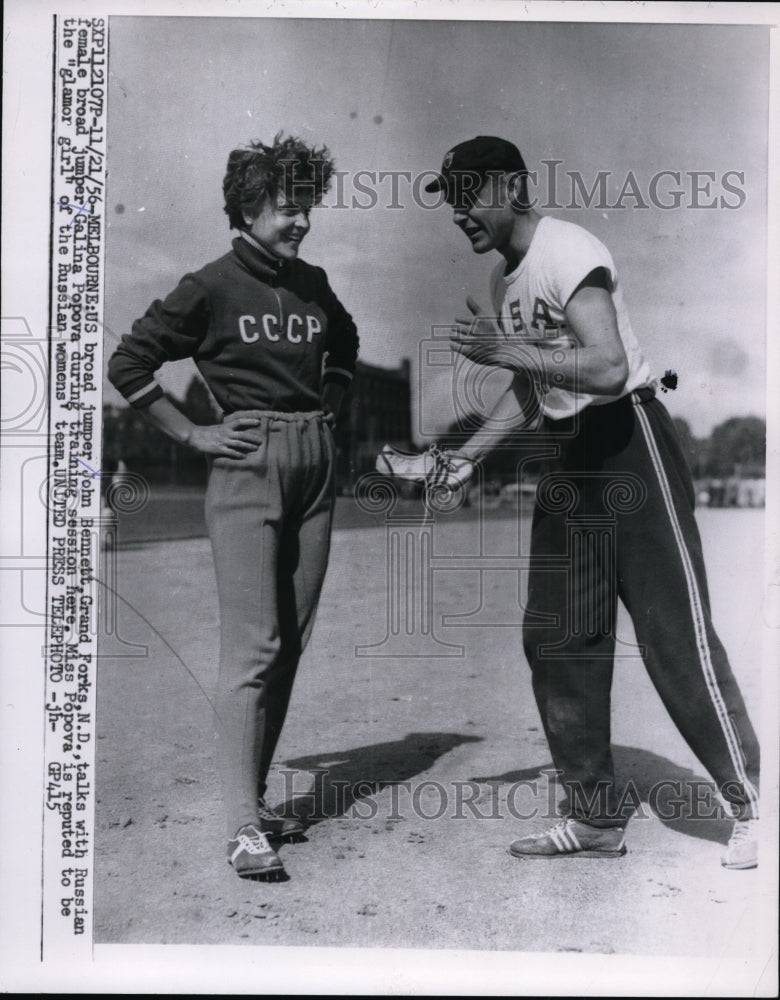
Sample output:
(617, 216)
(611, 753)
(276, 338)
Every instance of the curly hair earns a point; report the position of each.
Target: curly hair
(258, 173)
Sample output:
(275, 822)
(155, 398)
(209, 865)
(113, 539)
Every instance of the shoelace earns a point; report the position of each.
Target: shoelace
(265, 812)
(441, 460)
(256, 844)
(743, 830)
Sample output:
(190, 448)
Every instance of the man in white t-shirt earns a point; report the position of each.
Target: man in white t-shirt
(614, 511)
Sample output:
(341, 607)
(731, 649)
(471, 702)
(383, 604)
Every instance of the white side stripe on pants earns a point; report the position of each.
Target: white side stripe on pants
(697, 613)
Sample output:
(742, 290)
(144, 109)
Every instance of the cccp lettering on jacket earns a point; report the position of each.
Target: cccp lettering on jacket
(296, 329)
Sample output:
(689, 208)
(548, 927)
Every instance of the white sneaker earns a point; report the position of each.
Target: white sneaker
(742, 848)
(434, 467)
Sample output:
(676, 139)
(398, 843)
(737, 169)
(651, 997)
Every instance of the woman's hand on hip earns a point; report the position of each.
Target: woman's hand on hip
(237, 436)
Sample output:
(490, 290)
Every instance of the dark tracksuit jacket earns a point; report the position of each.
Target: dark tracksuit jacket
(258, 333)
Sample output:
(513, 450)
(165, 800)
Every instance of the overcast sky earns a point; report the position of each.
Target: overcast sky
(394, 96)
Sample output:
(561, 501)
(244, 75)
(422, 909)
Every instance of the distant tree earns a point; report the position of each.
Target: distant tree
(690, 446)
(738, 445)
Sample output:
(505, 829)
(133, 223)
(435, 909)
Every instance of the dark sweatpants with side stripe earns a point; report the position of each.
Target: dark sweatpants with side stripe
(614, 518)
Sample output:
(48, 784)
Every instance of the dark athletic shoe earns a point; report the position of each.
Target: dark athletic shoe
(252, 856)
(570, 838)
(278, 827)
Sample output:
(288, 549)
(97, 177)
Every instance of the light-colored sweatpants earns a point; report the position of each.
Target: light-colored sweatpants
(269, 518)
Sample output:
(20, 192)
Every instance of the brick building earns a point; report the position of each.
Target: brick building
(377, 410)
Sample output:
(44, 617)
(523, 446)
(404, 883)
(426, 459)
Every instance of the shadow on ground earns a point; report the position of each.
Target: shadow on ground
(681, 799)
(345, 777)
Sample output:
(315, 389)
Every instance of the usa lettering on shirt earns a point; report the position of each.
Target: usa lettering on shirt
(531, 303)
(543, 326)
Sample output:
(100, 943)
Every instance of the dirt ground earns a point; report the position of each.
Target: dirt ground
(415, 772)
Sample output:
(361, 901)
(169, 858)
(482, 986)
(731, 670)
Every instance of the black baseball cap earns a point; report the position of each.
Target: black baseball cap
(468, 164)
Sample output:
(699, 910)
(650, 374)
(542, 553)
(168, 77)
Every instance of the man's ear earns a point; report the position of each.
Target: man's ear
(517, 191)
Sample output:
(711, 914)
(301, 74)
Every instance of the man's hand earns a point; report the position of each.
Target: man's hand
(237, 436)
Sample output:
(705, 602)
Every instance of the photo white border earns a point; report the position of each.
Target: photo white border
(167, 969)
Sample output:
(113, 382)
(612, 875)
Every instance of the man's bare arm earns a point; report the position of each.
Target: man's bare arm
(591, 360)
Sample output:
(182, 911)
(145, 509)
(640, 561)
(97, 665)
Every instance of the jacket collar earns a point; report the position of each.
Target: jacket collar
(256, 258)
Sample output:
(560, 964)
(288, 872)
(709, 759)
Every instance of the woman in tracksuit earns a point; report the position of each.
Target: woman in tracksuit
(277, 350)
